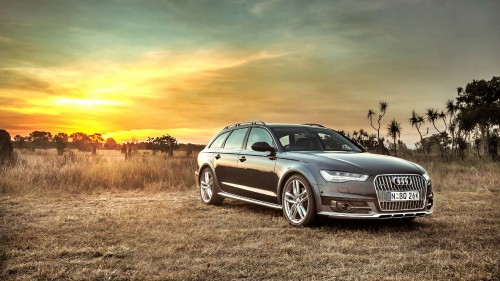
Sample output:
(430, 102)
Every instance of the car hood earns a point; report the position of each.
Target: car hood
(365, 163)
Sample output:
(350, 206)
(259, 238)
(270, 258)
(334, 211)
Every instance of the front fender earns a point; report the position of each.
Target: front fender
(289, 168)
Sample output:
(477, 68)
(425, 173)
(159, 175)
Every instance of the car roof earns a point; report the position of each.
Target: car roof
(282, 125)
(271, 125)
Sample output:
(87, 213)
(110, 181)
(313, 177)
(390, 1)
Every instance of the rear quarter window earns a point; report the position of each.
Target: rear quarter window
(217, 143)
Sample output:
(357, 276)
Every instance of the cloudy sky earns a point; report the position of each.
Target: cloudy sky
(129, 68)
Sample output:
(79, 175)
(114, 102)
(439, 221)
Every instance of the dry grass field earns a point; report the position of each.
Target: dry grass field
(107, 219)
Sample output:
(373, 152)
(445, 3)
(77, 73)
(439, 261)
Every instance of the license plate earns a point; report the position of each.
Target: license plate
(403, 196)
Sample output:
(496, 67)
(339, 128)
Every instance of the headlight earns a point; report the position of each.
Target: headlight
(426, 176)
(336, 176)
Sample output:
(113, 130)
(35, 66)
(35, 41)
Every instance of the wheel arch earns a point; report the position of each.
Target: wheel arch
(202, 168)
(306, 174)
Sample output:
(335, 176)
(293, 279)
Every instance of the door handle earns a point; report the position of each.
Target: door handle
(243, 159)
(217, 156)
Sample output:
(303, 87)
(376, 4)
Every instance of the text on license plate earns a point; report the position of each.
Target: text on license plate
(403, 196)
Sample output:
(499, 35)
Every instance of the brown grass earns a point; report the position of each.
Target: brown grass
(469, 176)
(44, 171)
(153, 234)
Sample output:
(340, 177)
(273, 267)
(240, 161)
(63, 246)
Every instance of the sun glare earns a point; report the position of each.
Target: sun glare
(85, 102)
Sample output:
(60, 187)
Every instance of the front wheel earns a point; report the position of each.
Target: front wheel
(208, 192)
(299, 206)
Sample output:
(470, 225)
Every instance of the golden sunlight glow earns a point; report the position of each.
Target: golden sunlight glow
(200, 136)
(100, 97)
(84, 102)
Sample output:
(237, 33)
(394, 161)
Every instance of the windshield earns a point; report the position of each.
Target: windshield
(313, 139)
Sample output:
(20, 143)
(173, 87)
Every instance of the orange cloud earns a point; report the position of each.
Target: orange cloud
(120, 100)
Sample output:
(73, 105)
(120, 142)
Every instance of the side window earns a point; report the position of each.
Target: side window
(259, 135)
(217, 143)
(235, 139)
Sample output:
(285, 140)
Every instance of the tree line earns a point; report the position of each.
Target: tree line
(469, 122)
(92, 142)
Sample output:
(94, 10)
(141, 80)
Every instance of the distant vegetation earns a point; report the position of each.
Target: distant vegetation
(85, 142)
(470, 125)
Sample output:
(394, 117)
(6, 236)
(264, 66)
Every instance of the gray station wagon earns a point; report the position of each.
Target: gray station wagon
(309, 170)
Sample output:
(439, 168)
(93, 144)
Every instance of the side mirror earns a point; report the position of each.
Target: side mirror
(263, 147)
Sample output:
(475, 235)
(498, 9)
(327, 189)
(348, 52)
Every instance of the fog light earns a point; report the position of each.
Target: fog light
(343, 206)
(347, 206)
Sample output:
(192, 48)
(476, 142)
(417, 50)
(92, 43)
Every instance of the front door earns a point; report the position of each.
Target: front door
(257, 178)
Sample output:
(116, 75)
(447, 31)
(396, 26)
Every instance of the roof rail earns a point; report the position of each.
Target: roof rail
(315, 125)
(245, 123)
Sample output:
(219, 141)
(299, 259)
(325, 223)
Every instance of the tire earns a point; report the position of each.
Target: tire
(208, 189)
(299, 206)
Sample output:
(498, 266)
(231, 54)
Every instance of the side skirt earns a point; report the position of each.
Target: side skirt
(258, 202)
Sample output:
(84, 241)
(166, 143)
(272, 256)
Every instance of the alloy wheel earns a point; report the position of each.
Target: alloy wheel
(206, 186)
(296, 201)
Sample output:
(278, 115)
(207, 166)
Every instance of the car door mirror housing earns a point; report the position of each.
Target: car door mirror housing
(263, 147)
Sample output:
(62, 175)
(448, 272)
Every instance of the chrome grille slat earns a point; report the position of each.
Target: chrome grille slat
(384, 184)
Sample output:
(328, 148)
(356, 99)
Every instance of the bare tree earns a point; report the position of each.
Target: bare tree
(382, 110)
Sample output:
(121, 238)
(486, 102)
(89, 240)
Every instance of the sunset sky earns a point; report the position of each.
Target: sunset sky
(129, 68)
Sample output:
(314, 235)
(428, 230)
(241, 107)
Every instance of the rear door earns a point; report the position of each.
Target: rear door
(226, 160)
(214, 148)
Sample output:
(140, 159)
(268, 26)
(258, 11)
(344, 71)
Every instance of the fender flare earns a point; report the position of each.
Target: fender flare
(308, 176)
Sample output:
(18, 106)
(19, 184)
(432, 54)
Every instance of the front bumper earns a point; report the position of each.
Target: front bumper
(356, 208)
(375, 215)
(359, 200)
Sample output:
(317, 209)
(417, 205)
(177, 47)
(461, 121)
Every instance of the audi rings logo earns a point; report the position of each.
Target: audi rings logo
(401, 180)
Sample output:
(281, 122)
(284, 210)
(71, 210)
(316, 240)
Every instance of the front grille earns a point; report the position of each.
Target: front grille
(386, 183)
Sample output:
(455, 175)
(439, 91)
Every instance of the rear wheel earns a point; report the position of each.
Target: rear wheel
(208, 191)
(299, 206)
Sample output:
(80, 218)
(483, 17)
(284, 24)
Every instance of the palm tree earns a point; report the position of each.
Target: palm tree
(393, 130)
(383, 106)
(451, 107)
(443, 115)
(417, 121)
(432, 115)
